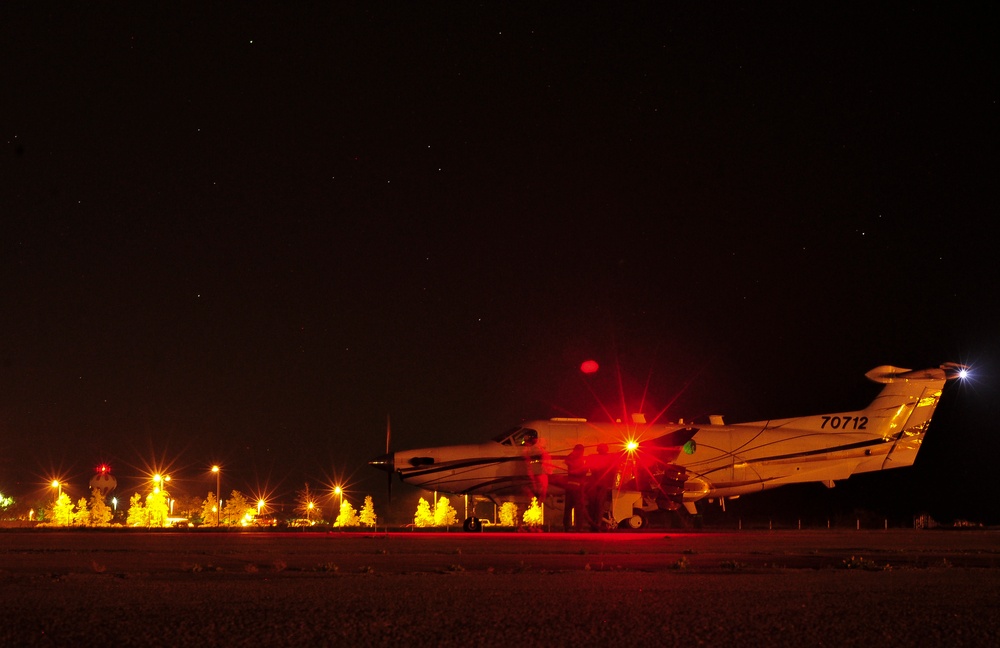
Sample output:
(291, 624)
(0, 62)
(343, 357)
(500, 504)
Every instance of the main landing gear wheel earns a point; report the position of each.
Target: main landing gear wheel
(636, 522)
(472, 524)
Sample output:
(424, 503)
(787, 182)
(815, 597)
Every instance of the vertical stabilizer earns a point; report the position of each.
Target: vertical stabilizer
(903, 409)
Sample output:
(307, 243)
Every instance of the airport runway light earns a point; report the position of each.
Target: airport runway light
(218, 494)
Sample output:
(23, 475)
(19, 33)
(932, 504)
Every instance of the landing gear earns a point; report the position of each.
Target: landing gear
(635, 522)
(472, 525)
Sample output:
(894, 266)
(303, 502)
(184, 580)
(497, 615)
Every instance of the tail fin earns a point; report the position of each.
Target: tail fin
(903, 409)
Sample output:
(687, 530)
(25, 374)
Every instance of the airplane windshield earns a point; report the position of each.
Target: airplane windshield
(518, 436)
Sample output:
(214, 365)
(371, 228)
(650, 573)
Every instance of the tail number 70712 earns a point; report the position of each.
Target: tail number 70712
(845, 422)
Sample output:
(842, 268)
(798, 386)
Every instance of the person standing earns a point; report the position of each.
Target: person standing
(575, 514)
(603, 473)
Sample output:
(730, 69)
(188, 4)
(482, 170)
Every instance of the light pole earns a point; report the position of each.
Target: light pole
(218, 495)
(57, 484)
(339, 492)
(160, 486)
(161, 482)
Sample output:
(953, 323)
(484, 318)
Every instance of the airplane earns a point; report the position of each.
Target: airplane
(665, 466)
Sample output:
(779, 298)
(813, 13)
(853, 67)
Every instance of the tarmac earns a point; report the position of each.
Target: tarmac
(785, 588)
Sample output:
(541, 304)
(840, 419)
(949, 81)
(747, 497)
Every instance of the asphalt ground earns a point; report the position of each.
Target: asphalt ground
(795, 588)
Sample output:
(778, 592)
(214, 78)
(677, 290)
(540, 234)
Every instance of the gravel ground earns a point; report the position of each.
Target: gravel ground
(898, 588)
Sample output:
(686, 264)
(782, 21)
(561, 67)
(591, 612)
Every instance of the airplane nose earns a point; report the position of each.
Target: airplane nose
(386, 462)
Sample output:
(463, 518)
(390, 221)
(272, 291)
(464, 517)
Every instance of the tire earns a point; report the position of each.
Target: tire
(472, 525)
(634, 523)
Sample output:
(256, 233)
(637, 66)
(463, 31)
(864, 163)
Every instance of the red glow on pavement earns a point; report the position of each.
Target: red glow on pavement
(589, 367)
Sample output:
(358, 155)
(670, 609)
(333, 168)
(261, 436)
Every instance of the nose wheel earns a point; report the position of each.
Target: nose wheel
(635, 522)
(472, 525)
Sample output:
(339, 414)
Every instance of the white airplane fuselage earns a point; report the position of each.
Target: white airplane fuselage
(713, 460)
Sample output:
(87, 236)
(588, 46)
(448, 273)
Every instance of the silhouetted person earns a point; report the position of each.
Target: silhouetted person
(539, 468)
(603, 472)
(576, 484)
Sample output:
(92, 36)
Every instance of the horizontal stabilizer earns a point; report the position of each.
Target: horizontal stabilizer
(888, 374)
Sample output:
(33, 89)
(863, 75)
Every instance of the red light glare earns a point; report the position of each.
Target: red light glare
(589, 367)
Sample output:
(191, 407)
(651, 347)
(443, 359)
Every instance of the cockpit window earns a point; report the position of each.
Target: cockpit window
(506, 437)
(518, 436)
(528, 437)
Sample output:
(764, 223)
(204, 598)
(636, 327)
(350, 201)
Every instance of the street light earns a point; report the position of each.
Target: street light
(57, 484)
(339, 492)
(166, 493)
(218, 495)
(161, 482)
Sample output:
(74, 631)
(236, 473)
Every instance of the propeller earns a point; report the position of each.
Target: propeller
(388, 436)
(386, 462)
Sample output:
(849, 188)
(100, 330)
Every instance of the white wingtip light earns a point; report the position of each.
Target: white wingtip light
(956, 370)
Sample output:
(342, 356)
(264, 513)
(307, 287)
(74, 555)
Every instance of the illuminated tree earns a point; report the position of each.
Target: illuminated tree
(156, 508)
(444, 513)
(5, 504)
(368, 516)
(533, 516)
(210, 510)
(82, 515)
(348, 516)
(508, 514)
(62, 510)
(136, 512)
(237, 509)
(423, 517)
(100, 512)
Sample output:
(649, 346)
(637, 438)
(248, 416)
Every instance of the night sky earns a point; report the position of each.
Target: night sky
(246, 235)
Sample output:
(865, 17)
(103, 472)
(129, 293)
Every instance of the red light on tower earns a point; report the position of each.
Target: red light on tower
(589, 367)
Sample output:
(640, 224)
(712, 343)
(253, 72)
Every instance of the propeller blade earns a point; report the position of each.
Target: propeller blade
(388, 435)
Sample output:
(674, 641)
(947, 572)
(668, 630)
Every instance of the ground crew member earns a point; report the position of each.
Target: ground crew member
(576, 491)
